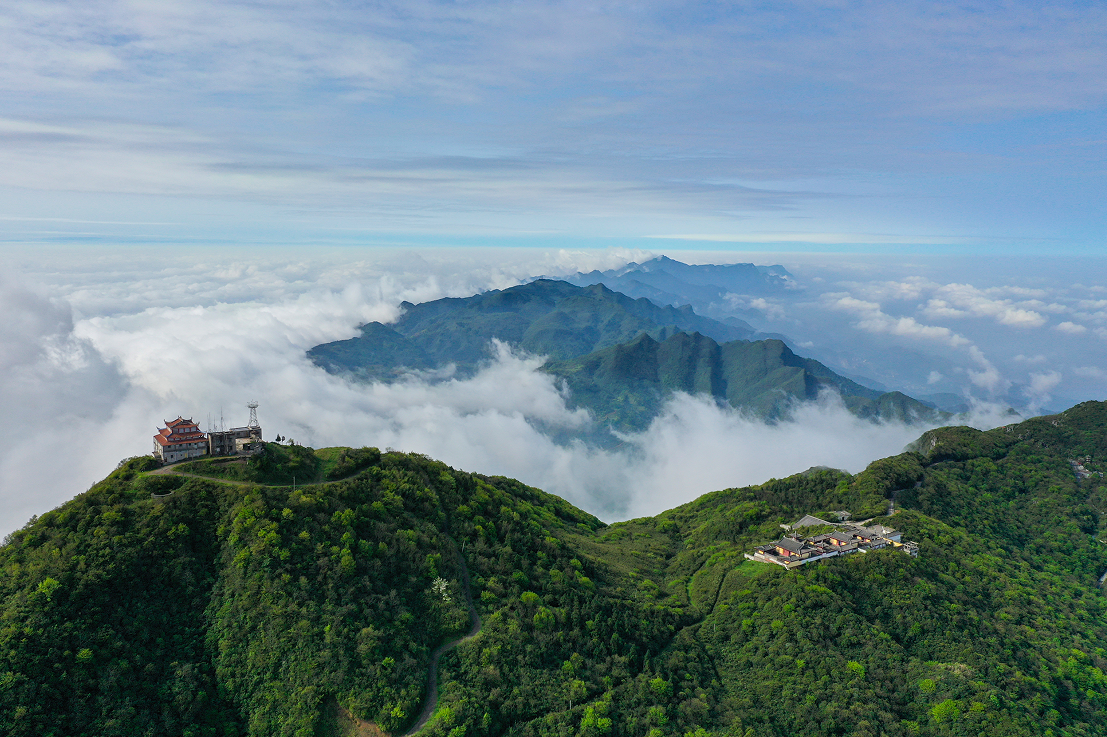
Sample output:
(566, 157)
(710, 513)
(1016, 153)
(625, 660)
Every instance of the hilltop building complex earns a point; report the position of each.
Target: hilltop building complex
(182, 439)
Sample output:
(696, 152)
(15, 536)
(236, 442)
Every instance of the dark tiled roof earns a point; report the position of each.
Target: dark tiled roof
(787, 543)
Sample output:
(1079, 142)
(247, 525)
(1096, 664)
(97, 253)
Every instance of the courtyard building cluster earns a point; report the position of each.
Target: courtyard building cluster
(845, 538)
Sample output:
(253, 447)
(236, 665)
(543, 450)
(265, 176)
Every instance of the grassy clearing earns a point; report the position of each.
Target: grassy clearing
(285, 465)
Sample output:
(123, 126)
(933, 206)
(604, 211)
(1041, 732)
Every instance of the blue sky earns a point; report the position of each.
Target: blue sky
(919, 127)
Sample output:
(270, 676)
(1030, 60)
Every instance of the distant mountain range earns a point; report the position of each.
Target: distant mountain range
(546, 317)
(778, 304)
(670, 282)
(621, 357)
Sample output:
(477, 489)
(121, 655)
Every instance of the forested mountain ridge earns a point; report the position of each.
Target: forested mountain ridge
(546, 317)
(234, 609)
(621, 357)
(625, 385)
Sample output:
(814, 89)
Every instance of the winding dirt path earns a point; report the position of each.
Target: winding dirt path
(170, 471)
(432, 672)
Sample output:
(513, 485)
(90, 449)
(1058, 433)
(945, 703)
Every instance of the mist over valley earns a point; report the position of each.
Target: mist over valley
(98, 356)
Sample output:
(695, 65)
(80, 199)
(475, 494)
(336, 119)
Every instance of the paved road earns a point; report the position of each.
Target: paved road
(432, 675)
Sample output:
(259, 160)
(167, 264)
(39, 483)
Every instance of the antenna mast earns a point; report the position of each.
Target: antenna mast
(253, 415)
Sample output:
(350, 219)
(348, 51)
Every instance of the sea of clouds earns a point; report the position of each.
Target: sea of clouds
(95, 353)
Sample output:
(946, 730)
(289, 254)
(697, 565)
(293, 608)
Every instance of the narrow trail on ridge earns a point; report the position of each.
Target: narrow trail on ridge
(170, 471)
(432, 672)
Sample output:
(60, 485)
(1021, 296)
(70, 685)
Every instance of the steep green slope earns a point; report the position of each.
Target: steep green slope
(997, 628)
(625, 385)
(547, 317)
(246, 609)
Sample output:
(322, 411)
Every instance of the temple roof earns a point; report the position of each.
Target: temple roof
(810, 521)
(179, 439)
(179, 431)
(787, 543)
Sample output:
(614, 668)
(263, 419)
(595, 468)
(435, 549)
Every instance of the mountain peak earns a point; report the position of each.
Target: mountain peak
(221, 600)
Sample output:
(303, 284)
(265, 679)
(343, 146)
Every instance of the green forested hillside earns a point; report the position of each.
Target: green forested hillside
(243, 609)
(625, 385)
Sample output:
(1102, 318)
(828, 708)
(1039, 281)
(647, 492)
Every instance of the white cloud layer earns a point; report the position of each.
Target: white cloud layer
(983, 322)
(1040, 386)
(871, 318)
(112, 342)
(60, 399)
(969, 300)
(200, 340)
(695, 447)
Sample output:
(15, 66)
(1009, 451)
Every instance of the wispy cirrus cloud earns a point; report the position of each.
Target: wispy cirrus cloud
(913, 51)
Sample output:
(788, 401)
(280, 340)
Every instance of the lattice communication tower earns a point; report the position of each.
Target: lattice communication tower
(253, 414)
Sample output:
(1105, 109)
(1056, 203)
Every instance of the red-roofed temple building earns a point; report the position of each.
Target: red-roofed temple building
(178, 440)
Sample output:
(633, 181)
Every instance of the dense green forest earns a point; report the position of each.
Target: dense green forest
(163, 604)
